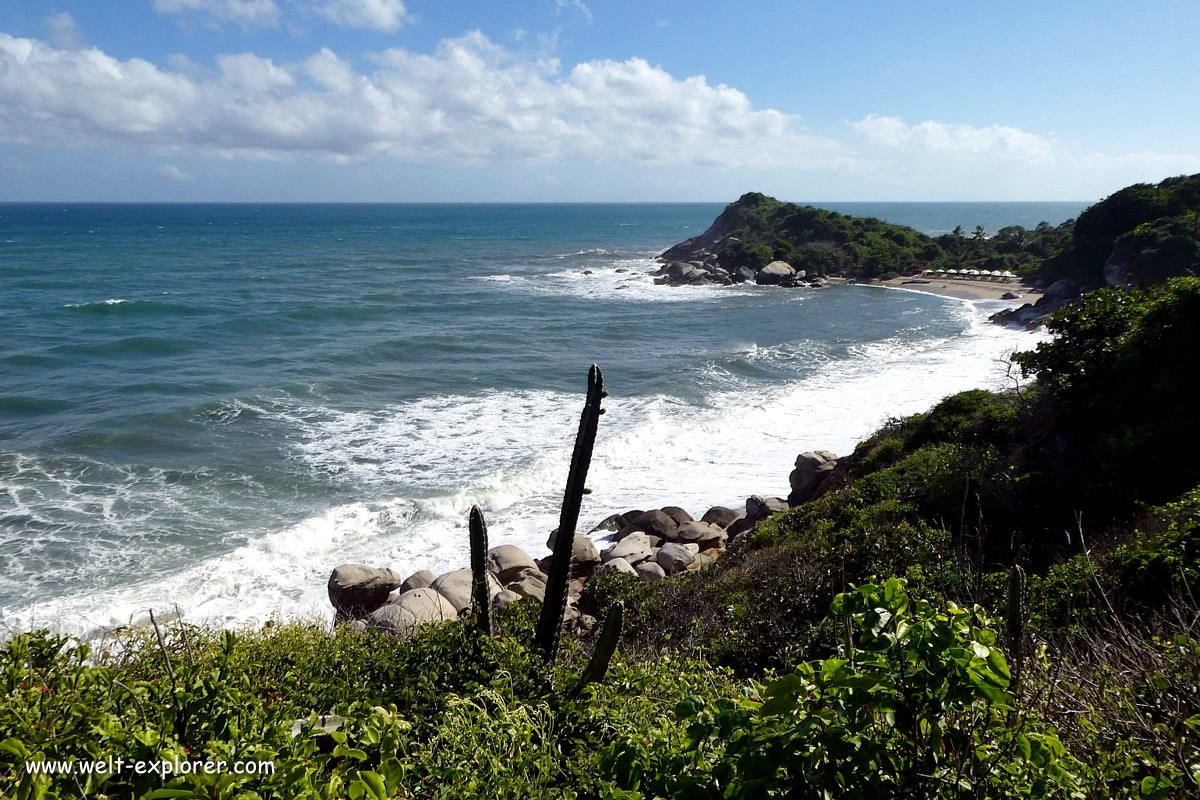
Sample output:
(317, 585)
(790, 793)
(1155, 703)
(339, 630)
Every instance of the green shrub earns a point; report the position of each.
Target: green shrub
(918, 706)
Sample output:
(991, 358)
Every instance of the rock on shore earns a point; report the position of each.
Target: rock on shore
(652, 545)
(1058, 295)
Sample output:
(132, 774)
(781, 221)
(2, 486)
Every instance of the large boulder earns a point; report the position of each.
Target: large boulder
(356, 590)
(530, 586)
(455, 586)
(759, 508)
(679, 270)
(811, 475)
(620, 565)
(505, 599)
(675, 557)
(657, 523)
(531, 572)
(742, 275)
(421, 579)
(701, 533)
(584, 556)
(650, 571)
(610, 524)
(676, 513)
(427, 605)
(393, 619)
(633, 548)
(1120, 273)
(507, 560)
(739, 526)
(1062, 289)
(719, 516)
(775, 273)
(412, 609)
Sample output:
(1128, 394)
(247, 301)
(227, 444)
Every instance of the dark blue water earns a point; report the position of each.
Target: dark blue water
(213, 405)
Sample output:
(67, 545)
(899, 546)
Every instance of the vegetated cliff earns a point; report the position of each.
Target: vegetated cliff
(757, 230)
(1139, 236)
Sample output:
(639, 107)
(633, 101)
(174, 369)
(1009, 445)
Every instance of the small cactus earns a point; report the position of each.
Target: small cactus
(550, 622)
(606, 645)
(1014, 619)
(482, 606)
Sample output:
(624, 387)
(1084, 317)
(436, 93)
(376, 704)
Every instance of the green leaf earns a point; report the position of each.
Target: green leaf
(831, 666)
(374, 784)
(16, 747)
(777, 706)
(790, 685)
(349, 752)
(688, 707)
(1023, 747)
(157, 794)
(999, 665)
(995, 696)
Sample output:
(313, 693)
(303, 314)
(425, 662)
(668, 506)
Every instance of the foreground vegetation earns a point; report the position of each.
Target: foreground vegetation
(994, 599)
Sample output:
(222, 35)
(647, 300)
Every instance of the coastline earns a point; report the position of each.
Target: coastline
(957, 289)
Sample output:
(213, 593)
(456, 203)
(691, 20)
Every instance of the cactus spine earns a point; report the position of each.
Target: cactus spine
(550, 622)
(606, 645)
(1014, 618)
(479, 578)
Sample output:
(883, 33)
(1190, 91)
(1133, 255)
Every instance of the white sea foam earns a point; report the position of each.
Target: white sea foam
(425, 462)
(112, 301)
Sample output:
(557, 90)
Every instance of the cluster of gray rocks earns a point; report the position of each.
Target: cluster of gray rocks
(706, 269)
(1057, 295)
(653, 545)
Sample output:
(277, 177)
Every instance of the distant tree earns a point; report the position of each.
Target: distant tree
(979, 234)
(957, 233)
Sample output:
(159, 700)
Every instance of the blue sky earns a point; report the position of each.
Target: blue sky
(578, 100)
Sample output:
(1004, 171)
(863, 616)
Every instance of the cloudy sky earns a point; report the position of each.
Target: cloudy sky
(575, 100)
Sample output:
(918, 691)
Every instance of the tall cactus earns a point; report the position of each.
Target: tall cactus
(1014, 618)
(479, 578)
(606, 645)
(550, 622)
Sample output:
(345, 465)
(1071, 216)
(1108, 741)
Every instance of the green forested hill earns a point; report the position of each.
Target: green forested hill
(1144, 234)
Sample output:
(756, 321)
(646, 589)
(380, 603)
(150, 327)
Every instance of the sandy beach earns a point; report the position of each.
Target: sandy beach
(964, 289)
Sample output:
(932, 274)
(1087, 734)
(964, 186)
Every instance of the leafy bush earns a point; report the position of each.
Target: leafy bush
(918, 706)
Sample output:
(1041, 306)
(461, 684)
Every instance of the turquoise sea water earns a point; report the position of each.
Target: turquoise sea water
(213, 405)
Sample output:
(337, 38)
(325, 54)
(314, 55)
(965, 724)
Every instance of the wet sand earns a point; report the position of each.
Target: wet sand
(965, 289)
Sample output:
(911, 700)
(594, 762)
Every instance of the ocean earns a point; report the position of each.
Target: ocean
(208, 407)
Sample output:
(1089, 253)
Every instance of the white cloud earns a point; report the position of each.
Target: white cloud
(965, 141)
(330, 72)
(174, 173)
(471, 101)
(380, 15)
(64, 33)
(247, 13)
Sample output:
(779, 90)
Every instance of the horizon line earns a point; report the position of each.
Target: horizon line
(486, 202)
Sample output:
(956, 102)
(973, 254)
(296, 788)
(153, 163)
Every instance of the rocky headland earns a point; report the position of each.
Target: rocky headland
(1139, 236)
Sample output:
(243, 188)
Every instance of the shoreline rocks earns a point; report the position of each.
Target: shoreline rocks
(1059, 294)
(709, 271)
(652, 545)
